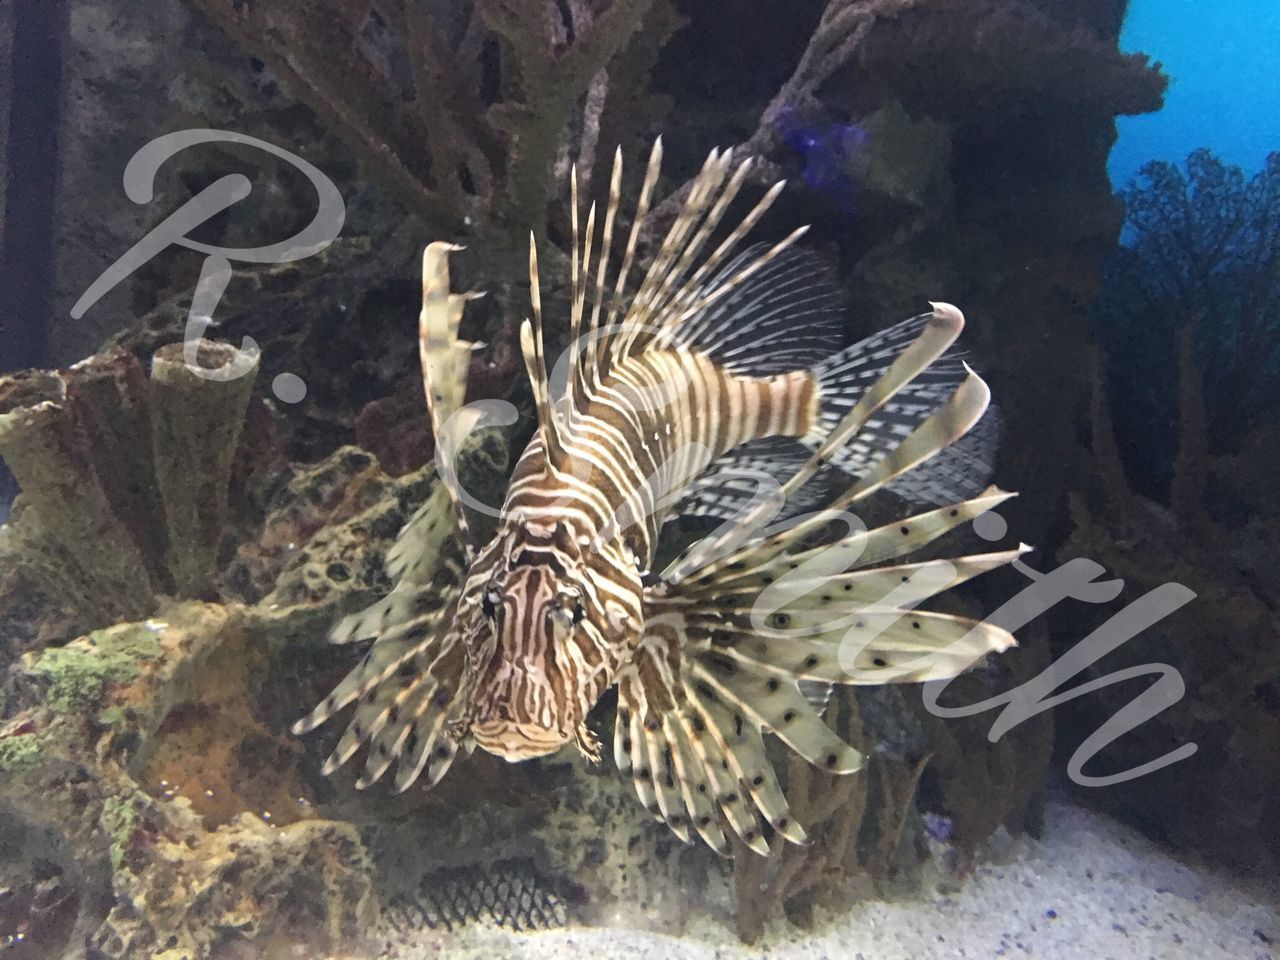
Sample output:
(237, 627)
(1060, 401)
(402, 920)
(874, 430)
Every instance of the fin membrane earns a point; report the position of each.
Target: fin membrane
(746, 631)
(406, 688)
(956, 472)
(786, 316)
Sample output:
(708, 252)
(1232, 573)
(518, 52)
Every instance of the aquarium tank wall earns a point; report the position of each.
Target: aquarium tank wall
(639, 478)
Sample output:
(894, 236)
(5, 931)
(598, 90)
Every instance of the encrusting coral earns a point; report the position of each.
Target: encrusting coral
(154, 754)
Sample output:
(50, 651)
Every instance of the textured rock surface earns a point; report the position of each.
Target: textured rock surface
(139, 70)
(115, 52)
(1225, 799)
(154, 871)
(150, 761)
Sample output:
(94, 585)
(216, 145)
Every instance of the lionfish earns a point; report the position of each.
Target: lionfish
(711, 389)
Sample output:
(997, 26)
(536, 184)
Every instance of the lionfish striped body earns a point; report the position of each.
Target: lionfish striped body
(711, 389)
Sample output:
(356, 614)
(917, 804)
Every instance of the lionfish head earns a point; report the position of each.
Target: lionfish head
(547, 636)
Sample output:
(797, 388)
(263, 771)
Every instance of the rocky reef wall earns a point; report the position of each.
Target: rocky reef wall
(157, 648)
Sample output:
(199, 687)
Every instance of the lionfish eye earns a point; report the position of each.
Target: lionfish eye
(579, 612)
(489, 604)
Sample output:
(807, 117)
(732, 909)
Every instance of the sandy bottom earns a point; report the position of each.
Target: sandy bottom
(1090, 889)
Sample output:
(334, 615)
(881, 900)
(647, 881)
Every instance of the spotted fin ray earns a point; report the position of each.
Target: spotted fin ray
(406, 688)
(411, 563)
(746, 629)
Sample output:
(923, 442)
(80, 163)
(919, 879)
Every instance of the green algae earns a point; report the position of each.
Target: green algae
(113, 717)
(19, 752)
(120, 818)
(79, 672)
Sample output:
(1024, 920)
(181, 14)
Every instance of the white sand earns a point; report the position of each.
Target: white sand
(1091, 889)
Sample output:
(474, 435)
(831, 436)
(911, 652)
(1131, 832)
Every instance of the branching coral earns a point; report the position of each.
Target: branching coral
(837, 37)
(845, 24)
(461, 110)
(1223, 799)
(1202, 263)
(977, 784)
(833, 808)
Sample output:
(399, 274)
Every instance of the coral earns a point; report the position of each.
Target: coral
(18, 750)
(197, 891)
(124, 479)
(1015, 58)
(26, 620)
(1025, 107)
(861, 826)
(321, 550)
(832, 809)
(352, 299)
(196, 421)
(49, 452)
(95, 720)
(343, 484)
(840, 32)
(393, 428)
(909, 166)
(460, 112)
(976, 785)
(219, 748)
(185, 821)
(108, 393)
(1199, 260)
(1223, 799)
(121, 816)
(1182, 499)
(121, 681)
(867, 833)
(77, 674)
(985, 121)
(842, 28)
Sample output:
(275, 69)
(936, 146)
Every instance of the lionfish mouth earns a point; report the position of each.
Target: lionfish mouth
(517, 741)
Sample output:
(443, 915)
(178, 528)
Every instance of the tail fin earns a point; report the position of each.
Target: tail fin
(958, 472)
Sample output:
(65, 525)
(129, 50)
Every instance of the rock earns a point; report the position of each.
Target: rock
(95, 720)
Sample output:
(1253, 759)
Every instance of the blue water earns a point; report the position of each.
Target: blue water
(1225, 94)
